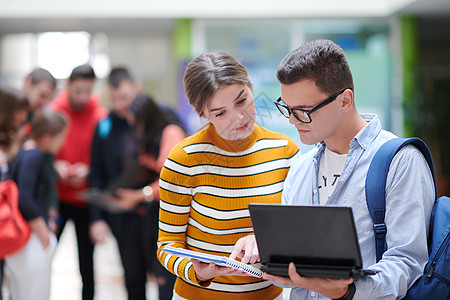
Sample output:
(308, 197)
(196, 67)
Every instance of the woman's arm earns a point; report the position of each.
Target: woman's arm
(171, 135)
(128, 198)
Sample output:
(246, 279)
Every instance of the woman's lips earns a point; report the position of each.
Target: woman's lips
(243, 127)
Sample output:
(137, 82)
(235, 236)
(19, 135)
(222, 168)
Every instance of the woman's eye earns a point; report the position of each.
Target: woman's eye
(242, 101)
(220, 114)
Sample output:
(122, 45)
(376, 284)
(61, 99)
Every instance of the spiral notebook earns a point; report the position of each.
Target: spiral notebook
(218, 260)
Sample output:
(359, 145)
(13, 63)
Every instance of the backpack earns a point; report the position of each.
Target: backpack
(435, 281)
(14, 230)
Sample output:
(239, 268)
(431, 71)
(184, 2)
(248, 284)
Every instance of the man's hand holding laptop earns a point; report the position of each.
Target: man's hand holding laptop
(247, 249)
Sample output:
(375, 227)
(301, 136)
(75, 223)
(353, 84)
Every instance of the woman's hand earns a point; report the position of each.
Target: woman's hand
(127, 199)
(98, 231)
(74, 175)
(53, 216)
(207, 271)
(246, 249)
(39, 227)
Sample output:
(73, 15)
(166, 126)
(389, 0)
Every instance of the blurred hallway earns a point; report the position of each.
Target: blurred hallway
(66, 281)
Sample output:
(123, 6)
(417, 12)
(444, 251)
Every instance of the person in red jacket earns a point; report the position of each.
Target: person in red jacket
(83, 110)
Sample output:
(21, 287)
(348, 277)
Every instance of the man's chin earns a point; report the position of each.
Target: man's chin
(308, 141)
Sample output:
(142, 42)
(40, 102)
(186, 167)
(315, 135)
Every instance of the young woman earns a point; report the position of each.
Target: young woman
(158, 131)
(210, 178)
(10, 101)
(28, 270)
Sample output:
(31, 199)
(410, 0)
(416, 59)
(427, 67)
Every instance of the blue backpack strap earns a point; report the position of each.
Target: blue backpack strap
(376, 184)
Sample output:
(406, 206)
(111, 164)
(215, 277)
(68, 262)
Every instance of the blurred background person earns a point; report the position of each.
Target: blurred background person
(39, 87)
(21, 112)
(83, 111)
(115, 152)
(159, 130)
(10, 100)
(114, 145)
(8, 104)
(29, 269)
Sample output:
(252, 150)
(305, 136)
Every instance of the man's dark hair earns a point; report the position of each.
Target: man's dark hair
(39, 75)
(82, 72)
(117, 75)
(322, 61)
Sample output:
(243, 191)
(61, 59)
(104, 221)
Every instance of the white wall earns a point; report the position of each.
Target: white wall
(150, 58)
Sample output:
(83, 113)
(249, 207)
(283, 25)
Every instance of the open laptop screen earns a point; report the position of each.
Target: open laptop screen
(318, 237)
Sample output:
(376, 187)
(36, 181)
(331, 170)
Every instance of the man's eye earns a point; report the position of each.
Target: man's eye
(242, 101)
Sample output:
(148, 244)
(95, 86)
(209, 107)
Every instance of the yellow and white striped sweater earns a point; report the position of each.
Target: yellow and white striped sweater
(205, 187)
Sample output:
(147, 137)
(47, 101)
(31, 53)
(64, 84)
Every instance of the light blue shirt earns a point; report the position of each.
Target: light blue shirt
(409, 199)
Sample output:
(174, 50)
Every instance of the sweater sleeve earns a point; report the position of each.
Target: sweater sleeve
(26, 179)
(175, 206)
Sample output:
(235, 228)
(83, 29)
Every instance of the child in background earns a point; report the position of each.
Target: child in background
(28, 270)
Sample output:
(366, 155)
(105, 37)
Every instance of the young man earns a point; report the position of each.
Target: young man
(39, 87)
(83, 111)
(114, 149)
(317, 96)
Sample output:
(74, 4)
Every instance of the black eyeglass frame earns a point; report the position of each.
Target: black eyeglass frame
(306, 112)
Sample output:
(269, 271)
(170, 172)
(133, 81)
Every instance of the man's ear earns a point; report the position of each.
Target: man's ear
(137, 87)
(347, 101)
(27, 83)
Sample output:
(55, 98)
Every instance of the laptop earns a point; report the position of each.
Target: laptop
(320, 240)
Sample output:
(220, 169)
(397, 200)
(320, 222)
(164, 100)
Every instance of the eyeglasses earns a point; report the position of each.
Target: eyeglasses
(303, 115)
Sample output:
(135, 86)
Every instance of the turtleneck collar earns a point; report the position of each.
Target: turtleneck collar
(233, 145)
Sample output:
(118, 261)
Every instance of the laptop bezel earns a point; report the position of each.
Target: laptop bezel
(288, 214)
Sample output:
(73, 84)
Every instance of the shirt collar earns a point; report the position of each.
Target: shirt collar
(364, 137)
(367, 135)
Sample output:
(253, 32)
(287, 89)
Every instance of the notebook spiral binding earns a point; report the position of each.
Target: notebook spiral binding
(247, 268)
(220, 260)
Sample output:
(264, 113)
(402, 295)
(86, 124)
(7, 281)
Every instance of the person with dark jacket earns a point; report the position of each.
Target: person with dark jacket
(117, 172)
(33, 172)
